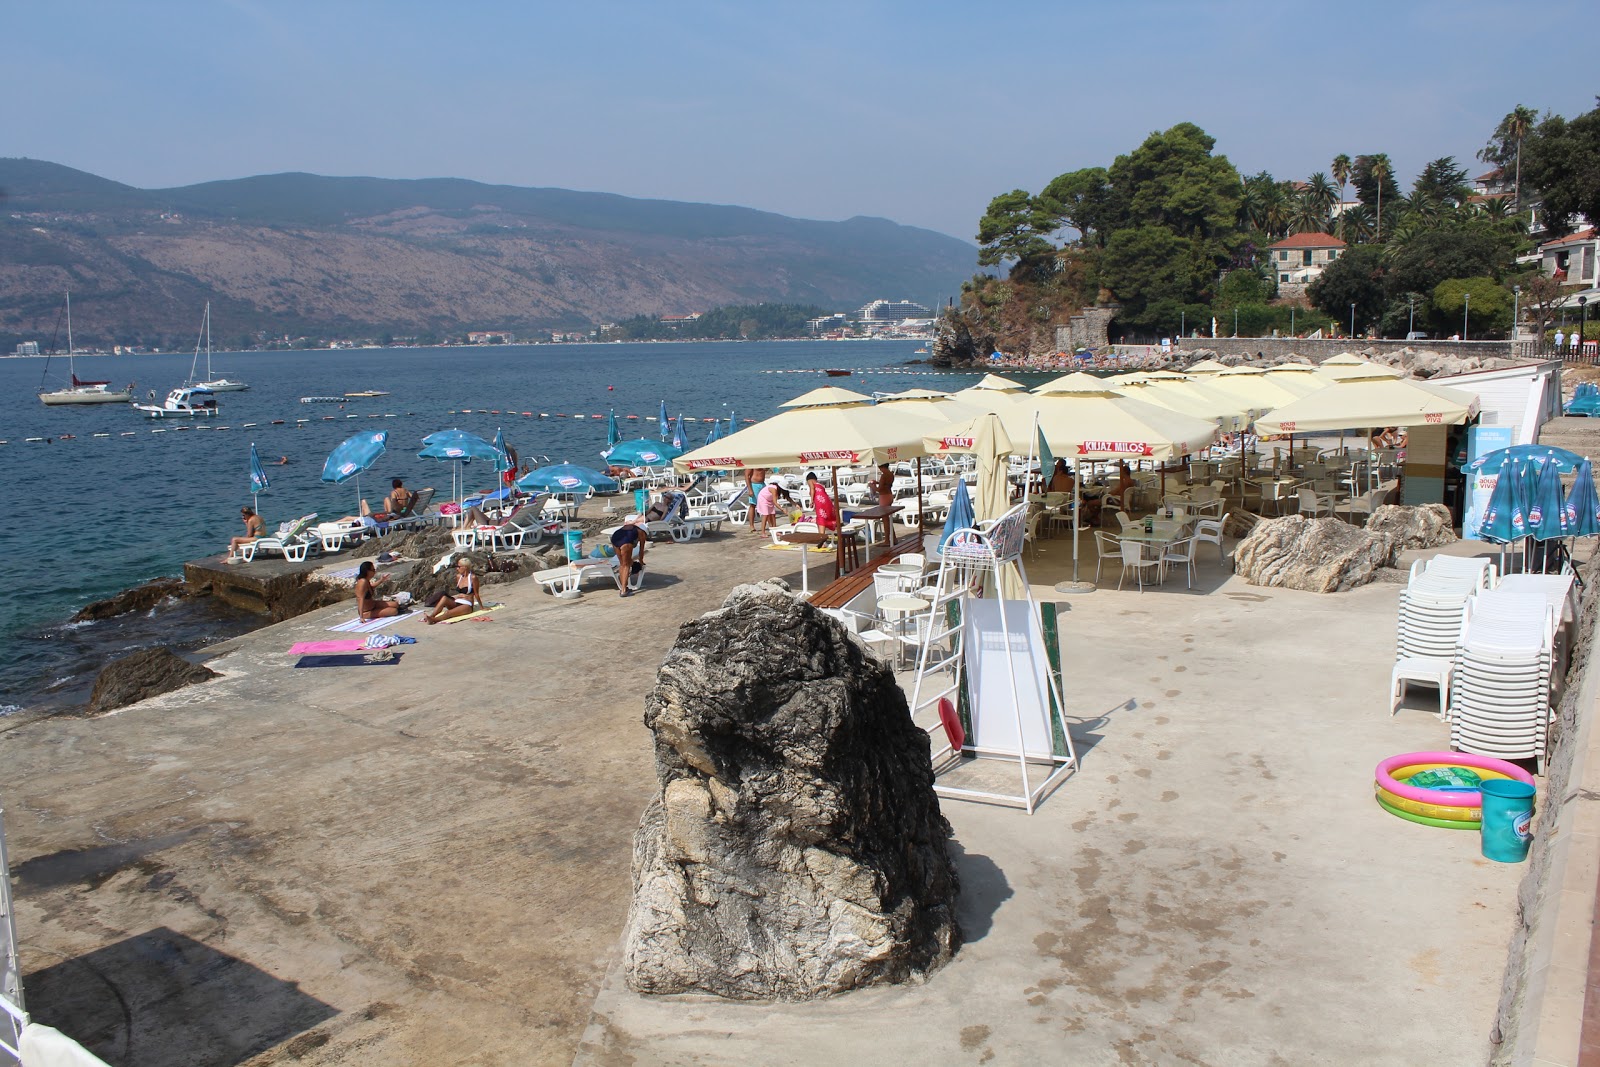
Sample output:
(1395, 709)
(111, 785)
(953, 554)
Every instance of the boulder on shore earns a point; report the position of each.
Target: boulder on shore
(146, 673)
(139, 598)
(1314, 555)
(796, 848)
(1421, 526)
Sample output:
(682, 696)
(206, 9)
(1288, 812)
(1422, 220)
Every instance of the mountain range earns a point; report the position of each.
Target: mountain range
(306, 255)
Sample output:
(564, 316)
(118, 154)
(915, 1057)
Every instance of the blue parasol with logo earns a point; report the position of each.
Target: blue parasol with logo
(1491, 462)
(613, 435)
(258, 477)
(458, 447)
(643, 453)
(679, 441)
(1583, 504)
(567, 479)
(1547, 511)
(352, 457)
(662, 419)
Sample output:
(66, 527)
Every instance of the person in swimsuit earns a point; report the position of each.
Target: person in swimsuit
(629, 540)
(464, 601)
(822, 506)
(254, 530)
(368, 606)
(399, 500)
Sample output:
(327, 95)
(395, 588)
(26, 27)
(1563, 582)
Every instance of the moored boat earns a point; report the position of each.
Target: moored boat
(837, 373)
(80, 391)
(184, 402)
(215, 385)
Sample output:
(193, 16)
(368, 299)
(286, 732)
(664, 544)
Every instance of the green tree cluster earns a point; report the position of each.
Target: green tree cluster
(750, 322)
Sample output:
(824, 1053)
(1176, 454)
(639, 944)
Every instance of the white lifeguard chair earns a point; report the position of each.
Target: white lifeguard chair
(984, 665)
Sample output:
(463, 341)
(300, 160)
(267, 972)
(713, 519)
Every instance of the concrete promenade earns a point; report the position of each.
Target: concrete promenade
(428, 863)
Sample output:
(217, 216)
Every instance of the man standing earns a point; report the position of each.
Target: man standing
(1559, 338)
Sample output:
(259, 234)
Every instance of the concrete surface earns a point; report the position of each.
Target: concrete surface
(418, 864)
(428, 863)
(1216, 886)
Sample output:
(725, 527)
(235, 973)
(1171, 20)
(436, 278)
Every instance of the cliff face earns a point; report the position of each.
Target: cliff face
(298, 254)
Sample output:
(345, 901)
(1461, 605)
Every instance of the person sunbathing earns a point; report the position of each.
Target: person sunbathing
(254, 530)
(464, 600)
(368, 606)
(399, 501)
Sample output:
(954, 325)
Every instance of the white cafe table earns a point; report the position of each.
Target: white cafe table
(895, 607)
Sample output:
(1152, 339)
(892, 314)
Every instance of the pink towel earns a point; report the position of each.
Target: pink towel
(306, 648)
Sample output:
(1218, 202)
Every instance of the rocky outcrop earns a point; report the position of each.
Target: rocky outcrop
(146, 673)
(1240, 523)
(796, 848)
(954, 344)
(1422, 526)
(139, 598)
(1314, 555)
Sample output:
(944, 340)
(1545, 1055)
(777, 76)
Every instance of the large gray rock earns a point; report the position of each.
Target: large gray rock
(1422, 526)
(146, 673)
(1314, 555)
(796, 848)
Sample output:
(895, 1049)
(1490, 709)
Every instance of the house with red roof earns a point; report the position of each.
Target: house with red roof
(1299, 258)
(1572, 259)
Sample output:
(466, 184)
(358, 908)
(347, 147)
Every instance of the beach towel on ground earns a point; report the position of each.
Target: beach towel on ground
(307, 648)
(356, 626)
(475, 615)
(353, 659)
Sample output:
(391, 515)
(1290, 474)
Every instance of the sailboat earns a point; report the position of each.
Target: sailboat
(216, 385)
(189, 400)
(80, 391)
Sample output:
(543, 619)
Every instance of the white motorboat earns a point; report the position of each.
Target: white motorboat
(184, 402)
(80, 391)
(216, 385)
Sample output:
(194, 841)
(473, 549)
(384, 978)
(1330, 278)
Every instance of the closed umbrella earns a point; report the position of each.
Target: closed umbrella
(1505, 516)
(1491, 462)
(613, 435)
(352, 457)
(678, 440)
(715, 431)
(502, 462)
(1547, 513)
(662, 419)
(961, 516)
(1583, 504)
(258, 477)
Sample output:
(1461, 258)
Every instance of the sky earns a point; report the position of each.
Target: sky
(916, 112)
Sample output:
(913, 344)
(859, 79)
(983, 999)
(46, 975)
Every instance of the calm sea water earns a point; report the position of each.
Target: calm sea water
(87, 517)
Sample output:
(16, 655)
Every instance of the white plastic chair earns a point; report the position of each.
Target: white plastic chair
(1312, 506)
(1180, 552)
(1134, 556)
(1210, 532)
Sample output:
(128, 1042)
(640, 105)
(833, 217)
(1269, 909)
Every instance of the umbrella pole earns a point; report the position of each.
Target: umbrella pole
(919, 498)
(838, 526)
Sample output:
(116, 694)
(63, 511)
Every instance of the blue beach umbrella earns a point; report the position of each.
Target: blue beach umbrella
(662, 419)
(733, 421)
(258, 477)
(458, 447)
(715, 431)
(643, 453)
(1547, 512)
(1583, 504)
(613, 435)
(567, 478)
(961, 515)
(678, 440)
(1505, 516)
(1491, 462)
(352, 457)
(502, 462)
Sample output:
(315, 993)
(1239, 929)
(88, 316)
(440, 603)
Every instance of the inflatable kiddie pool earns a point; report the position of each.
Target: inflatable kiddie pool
(1453, 809)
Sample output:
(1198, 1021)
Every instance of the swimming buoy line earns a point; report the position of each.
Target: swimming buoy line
(370, 415)
(1410, 763)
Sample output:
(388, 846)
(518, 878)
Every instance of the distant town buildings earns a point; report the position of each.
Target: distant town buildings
(1572, 259)
(892, 311)
(28, 348)
(489, 337)
(1299, 258)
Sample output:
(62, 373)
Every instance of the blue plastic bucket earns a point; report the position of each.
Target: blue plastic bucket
(574, 544)
(1507, 813)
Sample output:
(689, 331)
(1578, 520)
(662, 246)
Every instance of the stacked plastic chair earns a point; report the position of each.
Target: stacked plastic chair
(1427, 632)
(1500, 688)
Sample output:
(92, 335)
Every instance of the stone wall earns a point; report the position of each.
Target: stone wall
(1087, 329)
(1276, 349)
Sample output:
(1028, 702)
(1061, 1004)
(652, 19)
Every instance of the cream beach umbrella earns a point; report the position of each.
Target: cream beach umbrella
(993, 383)
(983, 436)
(1084, 420)
(1253, 386)
(1342, 363)
(1229, 412)
(826, 434)
(1368, 403)
(1298, 377)
(1366, 370)
(1207, 366)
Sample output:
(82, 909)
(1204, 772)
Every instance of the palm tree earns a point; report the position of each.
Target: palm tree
(1517, 124)
(1358, 222)
(1307, 215)
(1341, 174)
(1275, 209)
(1380, 168)
(1321, 192)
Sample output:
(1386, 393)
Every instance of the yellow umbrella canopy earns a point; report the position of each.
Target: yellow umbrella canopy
(997, 384)
(1208, 366)
(1363, 403)
(1105, 425)
(829, 434)
(1253, 387)
(1366, 370)
(1227, 410)
(1301, 378)
(1078, 383)
(1345, 359)
(985, 437)
(826, 396)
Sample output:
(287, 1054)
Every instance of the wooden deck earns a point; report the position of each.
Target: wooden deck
(840, 591)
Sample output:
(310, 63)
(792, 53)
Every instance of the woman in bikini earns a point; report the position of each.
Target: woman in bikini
(368, 606)
(464, 601)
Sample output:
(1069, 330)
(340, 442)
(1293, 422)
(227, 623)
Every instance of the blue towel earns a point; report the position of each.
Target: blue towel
(352, 659)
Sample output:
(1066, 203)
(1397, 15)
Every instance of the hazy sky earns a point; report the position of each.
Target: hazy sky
(918, 112)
